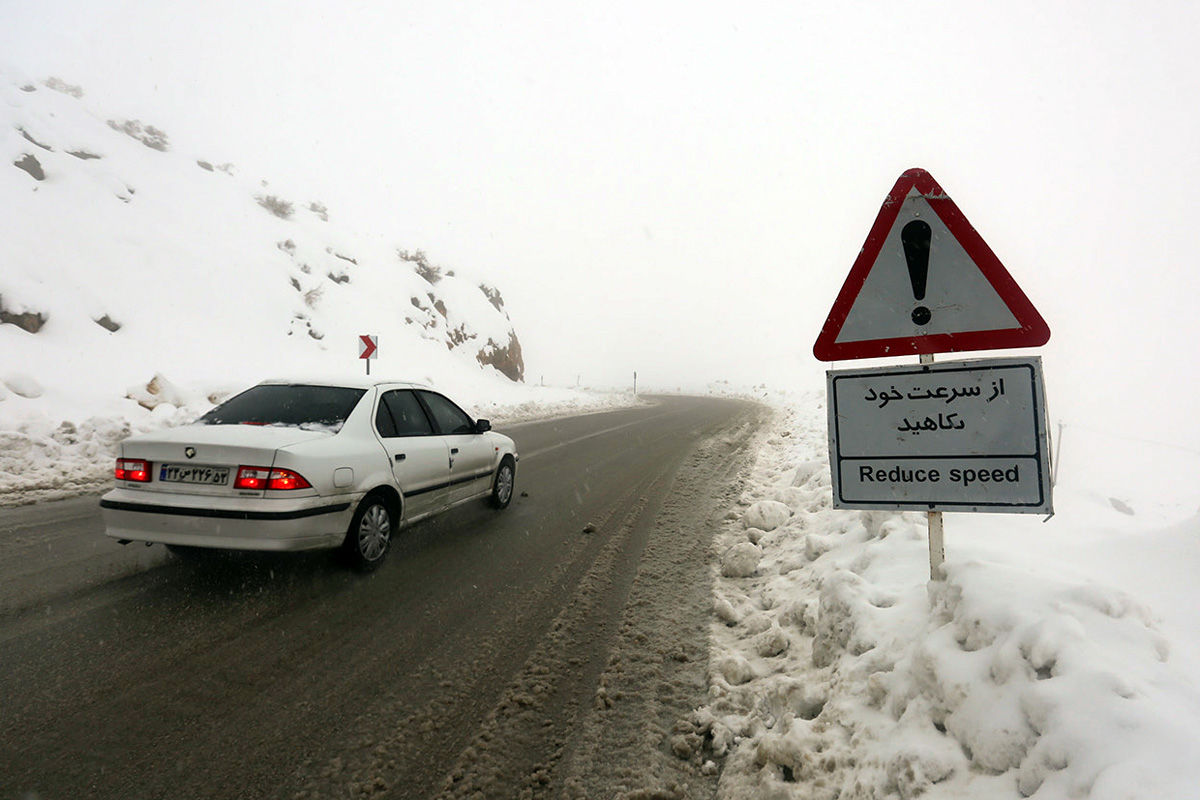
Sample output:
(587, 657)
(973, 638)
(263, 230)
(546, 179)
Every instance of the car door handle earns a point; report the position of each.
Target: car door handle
(453, 451)
(400, 456)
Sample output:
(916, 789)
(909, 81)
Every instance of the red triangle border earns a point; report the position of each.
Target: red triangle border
(1032, 330)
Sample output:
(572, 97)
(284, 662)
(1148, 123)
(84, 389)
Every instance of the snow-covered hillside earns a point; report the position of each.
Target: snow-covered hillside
(141, 283)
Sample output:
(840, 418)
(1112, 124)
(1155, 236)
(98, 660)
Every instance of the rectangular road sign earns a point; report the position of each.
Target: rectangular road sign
(950, 436)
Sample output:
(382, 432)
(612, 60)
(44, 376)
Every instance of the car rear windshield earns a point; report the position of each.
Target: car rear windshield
(313, 407)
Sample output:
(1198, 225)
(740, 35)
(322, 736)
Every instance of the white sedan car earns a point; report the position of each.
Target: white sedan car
(298, 466)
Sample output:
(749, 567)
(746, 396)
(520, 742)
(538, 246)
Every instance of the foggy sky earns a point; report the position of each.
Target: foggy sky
(681, 188)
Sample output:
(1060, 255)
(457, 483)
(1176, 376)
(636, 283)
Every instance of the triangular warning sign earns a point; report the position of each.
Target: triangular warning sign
(926, 282)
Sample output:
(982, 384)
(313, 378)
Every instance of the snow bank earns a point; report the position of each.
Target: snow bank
(840, 671)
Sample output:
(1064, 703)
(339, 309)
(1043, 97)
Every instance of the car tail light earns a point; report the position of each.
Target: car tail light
(264, 478)
(132, 469)
(251, 478)
(286, 479)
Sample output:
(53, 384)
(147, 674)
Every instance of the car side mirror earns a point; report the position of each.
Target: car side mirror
(482, 426)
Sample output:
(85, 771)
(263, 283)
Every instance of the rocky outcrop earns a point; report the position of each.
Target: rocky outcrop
(30, 164)
(493, 296)
(505, 358)
(29, 321)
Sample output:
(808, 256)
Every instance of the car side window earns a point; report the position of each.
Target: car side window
(383, 420)
(400, 414)
(410, 418)
(448, 417)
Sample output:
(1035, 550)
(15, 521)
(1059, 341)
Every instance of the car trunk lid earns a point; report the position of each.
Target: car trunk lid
(204, 459)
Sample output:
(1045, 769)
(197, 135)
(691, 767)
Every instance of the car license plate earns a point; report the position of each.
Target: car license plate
(194, 473)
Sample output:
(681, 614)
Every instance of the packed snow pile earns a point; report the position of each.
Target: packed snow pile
(1037, 668)
(142, 283)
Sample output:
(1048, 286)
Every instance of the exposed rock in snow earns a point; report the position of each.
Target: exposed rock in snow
(157, 391)
(26, 319)
(507, 359)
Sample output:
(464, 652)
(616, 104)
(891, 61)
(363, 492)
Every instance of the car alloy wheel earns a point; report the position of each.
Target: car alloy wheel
(502, 488)
(374, 532)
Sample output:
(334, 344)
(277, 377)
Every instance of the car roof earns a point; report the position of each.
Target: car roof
(349, 383)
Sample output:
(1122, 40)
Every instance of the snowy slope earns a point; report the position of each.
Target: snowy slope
(140, 284)
(1058, 659)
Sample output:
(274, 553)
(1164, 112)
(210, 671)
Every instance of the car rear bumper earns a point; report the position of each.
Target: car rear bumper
(234, 523)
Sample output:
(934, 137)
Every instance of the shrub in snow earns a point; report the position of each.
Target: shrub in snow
(421, 264)
(59, 85)
(276, 205)
(767, 515)
(741, 560)
(148, 135)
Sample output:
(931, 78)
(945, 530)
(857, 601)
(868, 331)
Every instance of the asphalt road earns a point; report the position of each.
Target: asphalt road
(496, 654)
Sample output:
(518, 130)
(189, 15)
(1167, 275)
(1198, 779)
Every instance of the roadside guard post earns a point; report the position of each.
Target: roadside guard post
(368, 348)
(952, 436)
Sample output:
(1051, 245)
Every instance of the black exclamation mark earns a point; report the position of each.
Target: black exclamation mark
(915, 236)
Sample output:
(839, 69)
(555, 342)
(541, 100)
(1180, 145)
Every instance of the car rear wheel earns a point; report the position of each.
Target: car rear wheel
(370, 534)
(502, 485)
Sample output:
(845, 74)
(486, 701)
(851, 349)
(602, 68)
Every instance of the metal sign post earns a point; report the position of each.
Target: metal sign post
(937, 545)
(368, 348)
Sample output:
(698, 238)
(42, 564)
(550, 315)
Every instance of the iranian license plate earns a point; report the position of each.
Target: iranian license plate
(194, 473)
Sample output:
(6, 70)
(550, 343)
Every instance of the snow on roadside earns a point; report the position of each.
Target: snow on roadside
(840, 671)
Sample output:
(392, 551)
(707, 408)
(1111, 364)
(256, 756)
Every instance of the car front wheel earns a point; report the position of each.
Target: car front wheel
(502, 485)
(370, 534)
